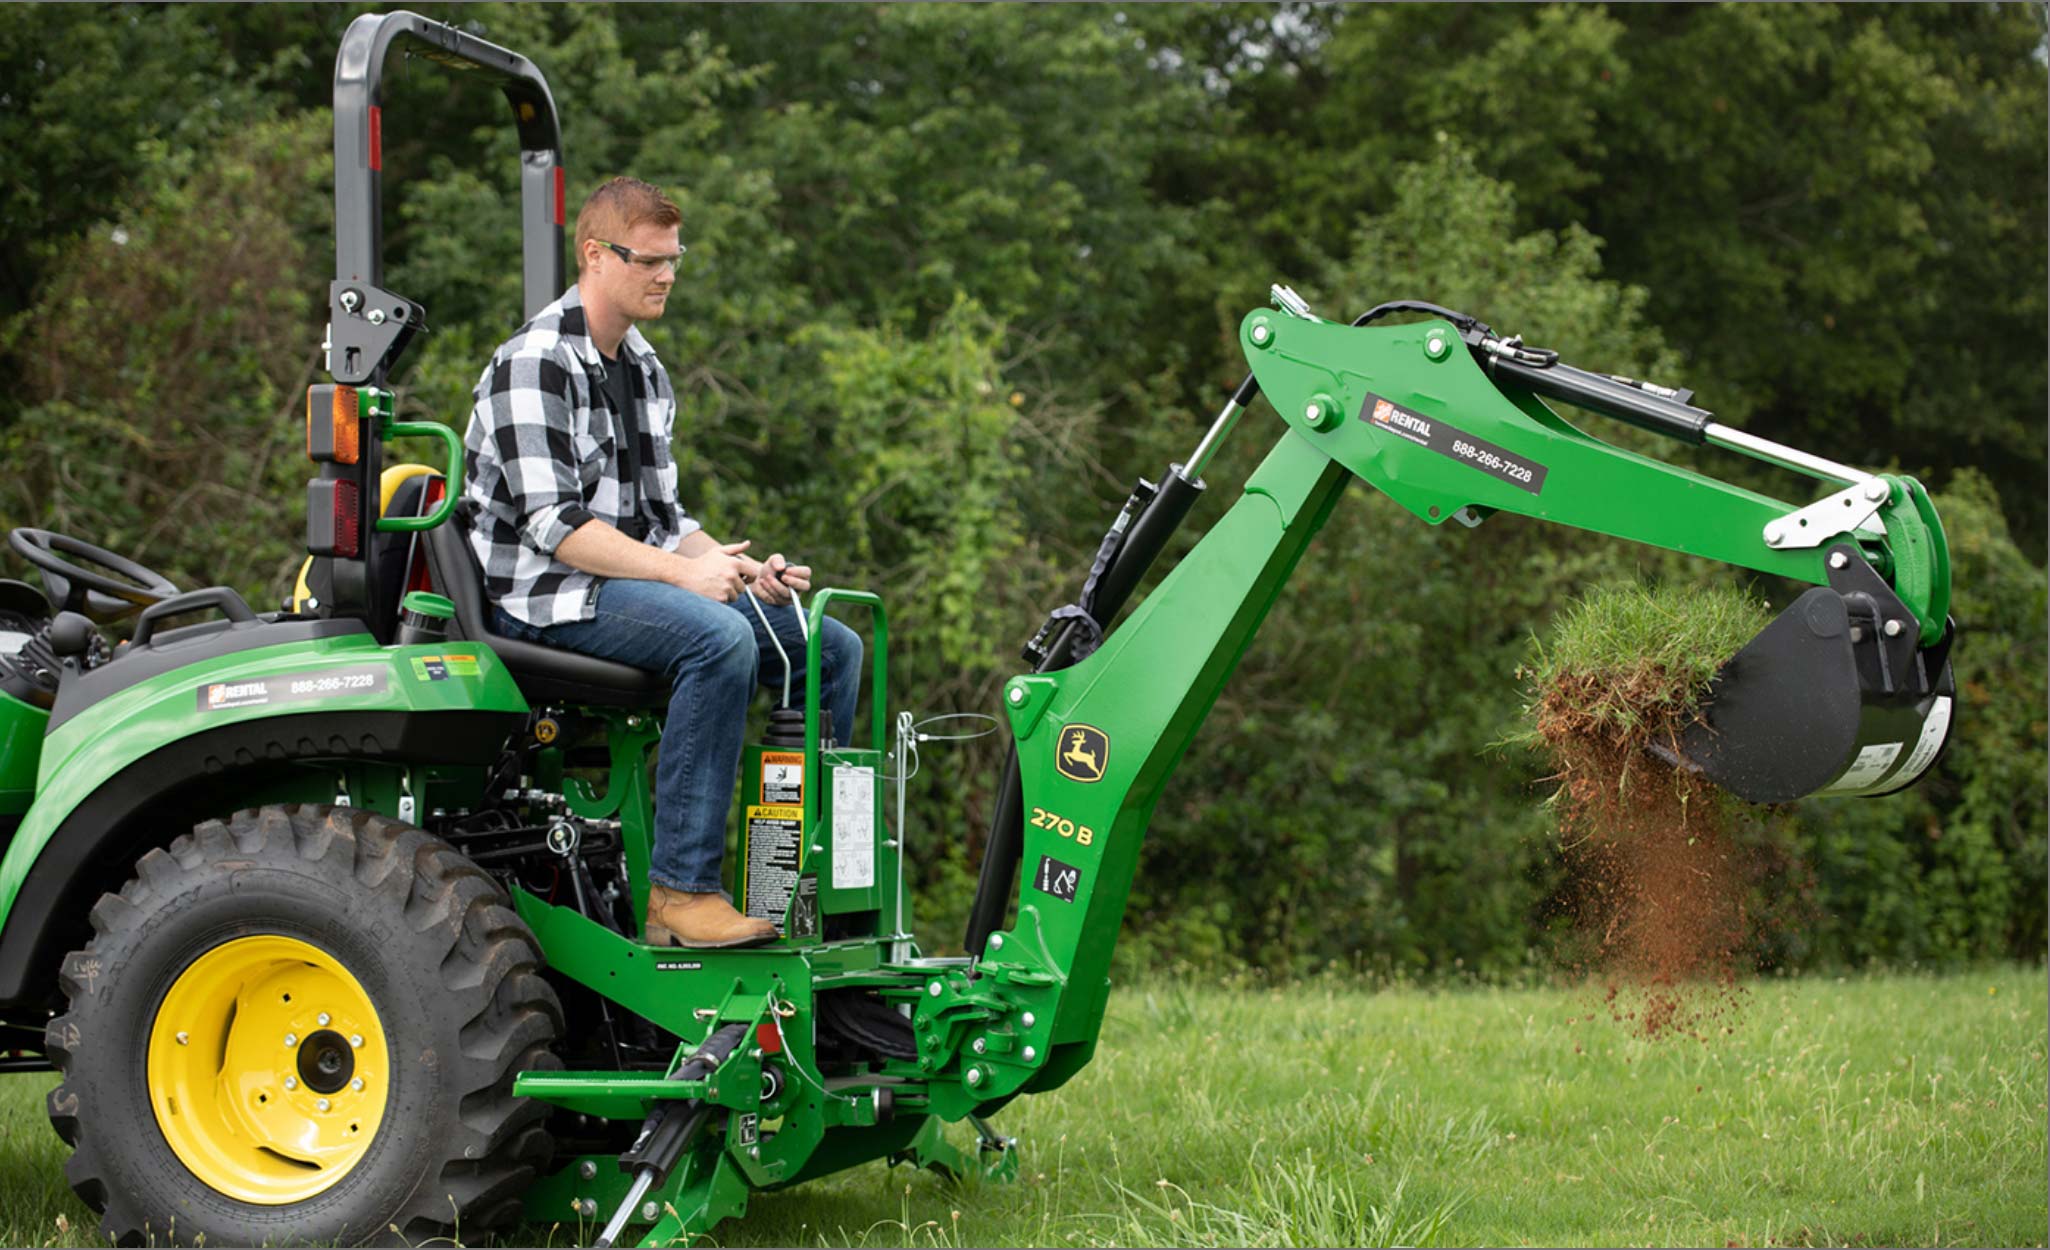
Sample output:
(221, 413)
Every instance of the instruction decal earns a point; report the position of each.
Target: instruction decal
(1057, 878)
(1084, 752)
(783, 778)
(804, 907)
(1450, 441)
(442, 667)
(854, 828)
(1934, 730)
(1871, 764)
(325, 683)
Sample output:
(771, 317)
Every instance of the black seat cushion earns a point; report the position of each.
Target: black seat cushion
(545, 674)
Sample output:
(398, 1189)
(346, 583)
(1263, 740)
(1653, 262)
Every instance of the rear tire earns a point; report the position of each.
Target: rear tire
(199, 1104)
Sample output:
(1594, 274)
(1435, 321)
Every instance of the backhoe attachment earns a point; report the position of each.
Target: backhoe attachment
(1848, 692)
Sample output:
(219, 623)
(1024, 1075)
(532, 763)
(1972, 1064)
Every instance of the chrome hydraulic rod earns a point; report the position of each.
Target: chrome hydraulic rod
(1220, 429)
(1785, 457)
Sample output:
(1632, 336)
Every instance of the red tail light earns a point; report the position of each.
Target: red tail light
(334, 524)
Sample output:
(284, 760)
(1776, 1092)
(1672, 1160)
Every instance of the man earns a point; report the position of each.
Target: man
(572, 511)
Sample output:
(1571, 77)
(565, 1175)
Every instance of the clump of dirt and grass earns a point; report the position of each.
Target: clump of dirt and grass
(1655, 880)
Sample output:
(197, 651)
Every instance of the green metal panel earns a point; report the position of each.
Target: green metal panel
(21, 745)
(1580, 480)
(1136, 703)
(90, 748)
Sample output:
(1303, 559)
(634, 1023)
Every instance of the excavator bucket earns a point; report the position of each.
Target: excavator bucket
(1836, 697)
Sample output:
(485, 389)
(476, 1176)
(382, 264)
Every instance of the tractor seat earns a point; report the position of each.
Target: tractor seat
(545, 674)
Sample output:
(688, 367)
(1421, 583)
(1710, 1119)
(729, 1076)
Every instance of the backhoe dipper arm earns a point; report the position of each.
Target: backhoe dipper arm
(1410, 408)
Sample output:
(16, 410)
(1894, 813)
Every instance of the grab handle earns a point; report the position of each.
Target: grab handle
(222, 597)
(454, 475)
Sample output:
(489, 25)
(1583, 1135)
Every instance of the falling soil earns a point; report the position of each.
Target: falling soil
(1655, 882)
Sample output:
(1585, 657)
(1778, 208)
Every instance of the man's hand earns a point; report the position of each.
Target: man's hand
(778, 577)
(721, 574)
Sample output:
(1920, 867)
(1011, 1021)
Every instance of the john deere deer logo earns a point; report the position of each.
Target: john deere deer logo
(1083, 753)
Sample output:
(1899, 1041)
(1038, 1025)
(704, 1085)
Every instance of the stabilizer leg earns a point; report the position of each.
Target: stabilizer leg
(996, 1156)
(706, 1189)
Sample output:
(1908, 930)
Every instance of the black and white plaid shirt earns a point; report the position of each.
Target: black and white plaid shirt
(543, 456)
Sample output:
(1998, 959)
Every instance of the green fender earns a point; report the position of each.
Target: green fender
(329, 698)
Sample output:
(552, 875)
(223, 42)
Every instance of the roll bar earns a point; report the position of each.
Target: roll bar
(368, 326)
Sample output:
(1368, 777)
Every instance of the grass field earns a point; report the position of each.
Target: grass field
(1895, 1110)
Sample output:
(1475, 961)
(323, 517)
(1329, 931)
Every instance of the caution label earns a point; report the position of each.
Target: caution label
(774, 837)
(783, 778)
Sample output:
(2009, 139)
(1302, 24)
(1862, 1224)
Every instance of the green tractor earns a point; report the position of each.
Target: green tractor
(330, 916)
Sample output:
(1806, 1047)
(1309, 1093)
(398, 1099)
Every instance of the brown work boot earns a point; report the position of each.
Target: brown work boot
(701, 921)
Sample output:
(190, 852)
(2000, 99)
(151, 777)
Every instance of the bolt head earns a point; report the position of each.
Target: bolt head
(357, 1084)
(1017, 694)
(1435, 347)
(185, 1039)
(291, 1082)
(323, 1019)
(322, 1104)
(650, 1210)
(933, 989)
(1893, 629)
(996, 941)
(1312, 413)
(588, 1170)
(587, 1207)
(1261, 334)
(377, 316)
(355, 1039)
(1838, 560)
(1773, 537)
(975, 1076)
(291, 1040)
(979, 1046)
(1031, 1053)
(1875, 491)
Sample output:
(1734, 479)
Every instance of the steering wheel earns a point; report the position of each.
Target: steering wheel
(75, 589)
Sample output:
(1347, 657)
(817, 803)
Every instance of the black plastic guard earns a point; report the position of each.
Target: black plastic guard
(1824, 701)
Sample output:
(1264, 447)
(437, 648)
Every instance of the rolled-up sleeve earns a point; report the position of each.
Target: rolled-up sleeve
(530, 416)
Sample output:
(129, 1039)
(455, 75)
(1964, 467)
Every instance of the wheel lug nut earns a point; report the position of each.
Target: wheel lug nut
(324, 1018)
(322, 1104)
(291, 1082)
(291, 1040)
(355, 1039)
(357, 1084)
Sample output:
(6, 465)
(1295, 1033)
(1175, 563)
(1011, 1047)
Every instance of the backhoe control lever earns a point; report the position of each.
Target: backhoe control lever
(670, 1129)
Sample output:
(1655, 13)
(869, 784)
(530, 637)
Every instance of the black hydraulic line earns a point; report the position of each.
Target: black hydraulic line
(1117, 573)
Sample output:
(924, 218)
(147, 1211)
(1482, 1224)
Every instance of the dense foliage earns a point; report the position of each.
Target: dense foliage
(958, 275)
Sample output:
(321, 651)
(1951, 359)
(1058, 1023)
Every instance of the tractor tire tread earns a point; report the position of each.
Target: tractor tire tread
(493, 1145)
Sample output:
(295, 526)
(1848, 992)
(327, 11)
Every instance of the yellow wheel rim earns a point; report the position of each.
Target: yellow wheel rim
(268, 1069)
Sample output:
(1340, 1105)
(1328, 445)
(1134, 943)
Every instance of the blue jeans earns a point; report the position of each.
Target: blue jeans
(714, 654)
